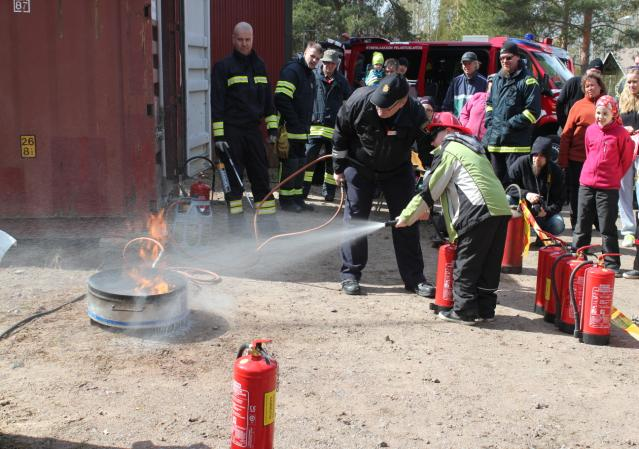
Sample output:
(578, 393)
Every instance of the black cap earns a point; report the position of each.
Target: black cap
(509, 47)
(596, 64)
(390, 89)
(469, 56)
(542, 145)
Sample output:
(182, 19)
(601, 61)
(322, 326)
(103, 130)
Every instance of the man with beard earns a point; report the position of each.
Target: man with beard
(541, 183)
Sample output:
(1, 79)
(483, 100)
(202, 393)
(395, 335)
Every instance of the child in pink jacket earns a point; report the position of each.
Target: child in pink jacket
(473, 114)
(609, 152)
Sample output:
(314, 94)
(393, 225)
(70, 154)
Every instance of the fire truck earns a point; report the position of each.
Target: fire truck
(433, 65)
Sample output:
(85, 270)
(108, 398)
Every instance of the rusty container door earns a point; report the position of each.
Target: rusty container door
(78, 129)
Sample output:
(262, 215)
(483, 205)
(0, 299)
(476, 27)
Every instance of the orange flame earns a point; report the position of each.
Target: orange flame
(148, 253)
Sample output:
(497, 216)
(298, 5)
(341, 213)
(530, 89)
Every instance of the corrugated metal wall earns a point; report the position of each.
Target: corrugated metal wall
(77, 75)
(270, 29)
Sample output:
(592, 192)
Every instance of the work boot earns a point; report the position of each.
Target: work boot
(328, 191)
(451, 315)
(303, 205)
(306, 189)
(425, 289)
(351, 287)
(289, 205)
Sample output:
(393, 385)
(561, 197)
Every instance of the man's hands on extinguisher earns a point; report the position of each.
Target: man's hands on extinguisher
(339, 178)
(404, 222)
(222, 146)
(415, 210)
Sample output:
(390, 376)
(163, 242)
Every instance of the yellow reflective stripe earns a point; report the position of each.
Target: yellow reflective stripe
(297, 136)
(290, 192)
(493, 149)
(237, 79)
(267, 208)
(260, 80)
(308, 176)
(284, 90)
(217, 128)
(529, 115)
(286, 84)
(489, 108)
(271, 121)
(323, 131)
(531, 80)
(329, 179)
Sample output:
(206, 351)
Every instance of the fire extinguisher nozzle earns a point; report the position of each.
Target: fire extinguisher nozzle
(390, 223)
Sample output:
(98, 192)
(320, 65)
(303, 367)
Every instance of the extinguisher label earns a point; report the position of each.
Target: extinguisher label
(269, 407)
(448, 281)
(239, 433)
(547, 290)
(601, 306)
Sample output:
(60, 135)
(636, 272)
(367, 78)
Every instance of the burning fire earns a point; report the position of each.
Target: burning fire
(149, 252)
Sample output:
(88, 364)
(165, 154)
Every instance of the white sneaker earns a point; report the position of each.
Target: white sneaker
(628, 241)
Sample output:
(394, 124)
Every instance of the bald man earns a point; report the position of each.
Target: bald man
(240, 99)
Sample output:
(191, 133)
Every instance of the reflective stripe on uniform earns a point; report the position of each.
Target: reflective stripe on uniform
(489, 108)
(531, 80)
(292, 136)
(493, 149)
(329, 179)
(260, 80)
(218, 129)
(286, 88)
(235, 207)
(271, 121)
(340, 154)
(291, 192)
(529, 115)
(267, 208)
(308, 176)
(236, 80)
(322, 131)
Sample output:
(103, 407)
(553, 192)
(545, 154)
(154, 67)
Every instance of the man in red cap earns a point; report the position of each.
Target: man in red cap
(476, 213)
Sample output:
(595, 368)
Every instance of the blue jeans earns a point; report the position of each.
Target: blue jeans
(626, 213)
(551, 223)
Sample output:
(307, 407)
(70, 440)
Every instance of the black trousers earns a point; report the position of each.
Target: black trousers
(314, 148)
(248, 153)
(292, 190)
(398, 190)
(478, 268)
(501, 162)
(603, 206)
(572, 184)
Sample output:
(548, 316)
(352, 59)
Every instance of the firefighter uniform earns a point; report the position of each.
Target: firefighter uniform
(294, 96)
(240, 99)
(331, 94)
(373, 152)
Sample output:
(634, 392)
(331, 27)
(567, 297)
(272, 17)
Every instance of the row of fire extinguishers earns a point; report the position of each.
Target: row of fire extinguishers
(572, 292)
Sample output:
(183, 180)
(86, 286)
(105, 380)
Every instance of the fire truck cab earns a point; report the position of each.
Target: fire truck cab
(433, 65)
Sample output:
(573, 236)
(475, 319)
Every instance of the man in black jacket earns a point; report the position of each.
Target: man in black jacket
(571, 91)
(332, 91)
(372, 148)
(240, 99)
(294, 97)
(513, 107)
(541, 182)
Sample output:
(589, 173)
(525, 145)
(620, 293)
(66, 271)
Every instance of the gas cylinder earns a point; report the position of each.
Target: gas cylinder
(566, 312)
(557, 273)
(200, 191)
(599, 285)
(543, 267)
(444, 278)
(549, 306)
(254, 386)
(511, 262)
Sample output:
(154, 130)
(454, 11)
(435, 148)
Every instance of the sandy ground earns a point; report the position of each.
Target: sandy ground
(378, 370)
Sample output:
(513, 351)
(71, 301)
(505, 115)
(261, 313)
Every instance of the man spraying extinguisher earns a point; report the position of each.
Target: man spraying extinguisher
(476, 213)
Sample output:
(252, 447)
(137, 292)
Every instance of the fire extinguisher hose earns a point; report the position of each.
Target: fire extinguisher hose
(555, 290)
(277, 186)
(573, 300)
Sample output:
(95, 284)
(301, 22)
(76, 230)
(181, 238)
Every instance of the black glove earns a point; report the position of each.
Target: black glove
(222, 146)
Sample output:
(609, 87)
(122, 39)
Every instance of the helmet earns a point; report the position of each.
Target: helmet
(447, 120)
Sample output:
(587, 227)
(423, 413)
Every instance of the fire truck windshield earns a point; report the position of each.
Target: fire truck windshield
(557, 73)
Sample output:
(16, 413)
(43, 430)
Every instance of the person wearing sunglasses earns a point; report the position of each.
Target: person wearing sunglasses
(512, 109)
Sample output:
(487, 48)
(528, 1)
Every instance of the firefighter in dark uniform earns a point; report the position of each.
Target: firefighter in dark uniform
(240, 98)
(372, 148)
(332, 90)
(294, 96)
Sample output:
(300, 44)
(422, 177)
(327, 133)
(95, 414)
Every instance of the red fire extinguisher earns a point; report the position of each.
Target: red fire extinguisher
(543, 267)
(512, 260)
(444, 279)
(200, 194)
(565, 315)
(557, 275)
(592, 322)
(254, 386)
